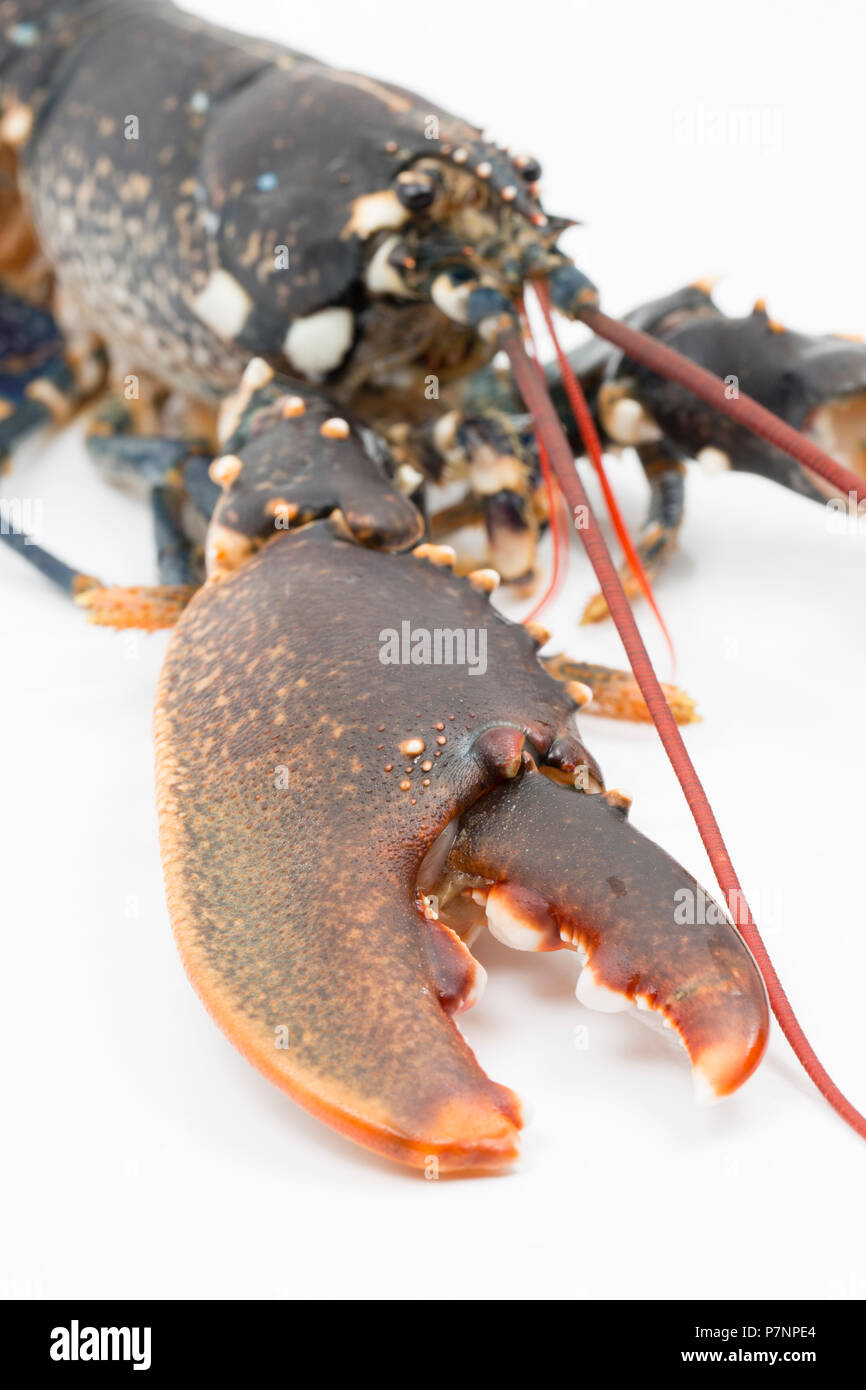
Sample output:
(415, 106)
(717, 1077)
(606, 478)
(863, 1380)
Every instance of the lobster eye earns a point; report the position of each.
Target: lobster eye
(529, 168)
(415, 191)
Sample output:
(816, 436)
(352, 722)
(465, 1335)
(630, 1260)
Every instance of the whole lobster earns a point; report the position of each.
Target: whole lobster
(359, 760)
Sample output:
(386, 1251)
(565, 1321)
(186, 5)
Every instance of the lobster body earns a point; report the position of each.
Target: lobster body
(334, 826)
(203, 197)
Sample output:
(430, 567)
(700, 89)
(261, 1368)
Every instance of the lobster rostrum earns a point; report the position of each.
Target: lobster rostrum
(359, 242)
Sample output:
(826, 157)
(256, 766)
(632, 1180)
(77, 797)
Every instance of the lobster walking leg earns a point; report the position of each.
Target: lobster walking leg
(143, 607)
(72, 582)
(174, 549)
(38, 383)
(616, 693)
(657, 540)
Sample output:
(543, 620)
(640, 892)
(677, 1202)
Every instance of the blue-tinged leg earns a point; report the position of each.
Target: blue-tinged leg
(38, 382)
(659, 535)
(71, 581)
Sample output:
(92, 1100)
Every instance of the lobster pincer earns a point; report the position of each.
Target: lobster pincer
(817, 384)
(337, 813)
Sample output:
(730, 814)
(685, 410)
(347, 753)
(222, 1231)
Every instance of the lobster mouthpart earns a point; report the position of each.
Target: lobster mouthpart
(330, 718)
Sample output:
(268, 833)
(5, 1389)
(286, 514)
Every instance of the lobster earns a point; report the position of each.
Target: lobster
(273, 260)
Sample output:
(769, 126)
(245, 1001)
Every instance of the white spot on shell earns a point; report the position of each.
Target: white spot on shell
(257, 374)
(16, 125)
(381, 277)
(318, 343)
(714, 460)
(375, 211)
(451, 298)
(335, 428)
(628, 423)
(223, 304)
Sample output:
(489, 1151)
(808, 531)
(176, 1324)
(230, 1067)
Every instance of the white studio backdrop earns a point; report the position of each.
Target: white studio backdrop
(141, 1155)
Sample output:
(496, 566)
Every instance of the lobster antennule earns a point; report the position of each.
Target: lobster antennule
(539, 405)
(669, 363)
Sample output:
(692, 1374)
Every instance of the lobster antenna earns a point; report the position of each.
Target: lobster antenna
(666, 362)
(591, 442)
(557, 520)
(538, 403)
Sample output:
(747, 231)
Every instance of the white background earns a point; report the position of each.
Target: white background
(141, 1155)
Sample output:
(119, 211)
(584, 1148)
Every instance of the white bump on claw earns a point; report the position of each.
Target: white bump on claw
(580, 693)
(224, 471)
(659, 1022)
(594, 995)
(486, 581)
(519, 919)
(335, 428)
(479, 984)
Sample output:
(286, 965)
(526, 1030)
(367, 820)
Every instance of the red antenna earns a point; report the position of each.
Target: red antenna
(555, 503)
(592, 444)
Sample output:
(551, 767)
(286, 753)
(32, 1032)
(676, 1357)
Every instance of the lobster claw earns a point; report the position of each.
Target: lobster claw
(569, 870)
(290, 457)
(319, 770)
